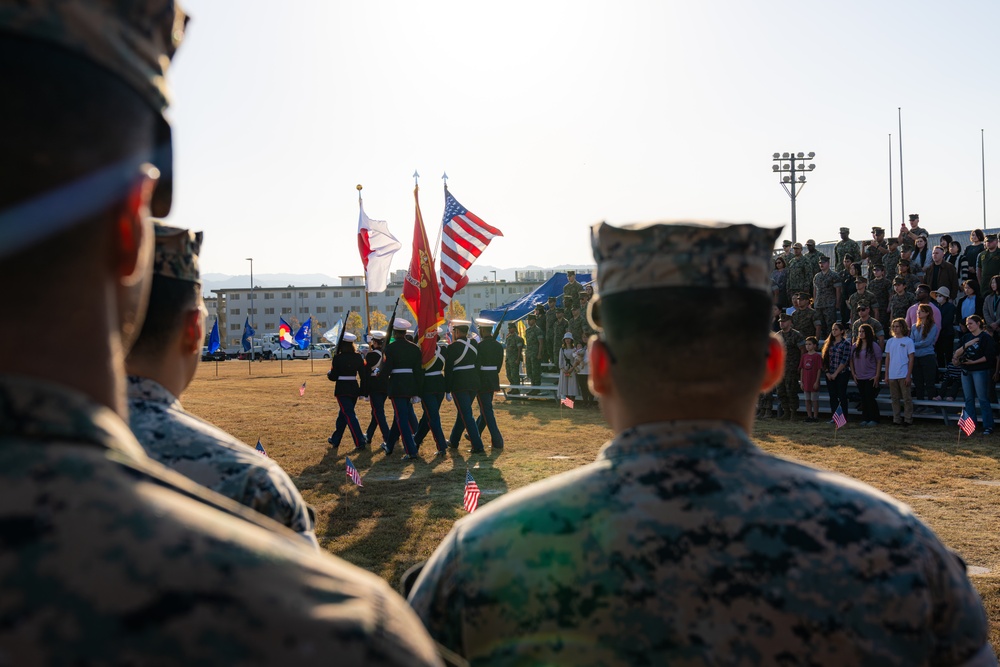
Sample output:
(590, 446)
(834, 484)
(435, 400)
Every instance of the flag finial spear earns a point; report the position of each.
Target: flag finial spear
(416, 176)
(359, 192)
(444, 177)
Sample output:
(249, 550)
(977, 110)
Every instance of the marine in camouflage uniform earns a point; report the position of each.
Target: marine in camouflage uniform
(571, 291)
(799, 271)
(891, 260)
(846, 246)
(873, 323)
(862, 296)
(826, 295)
(513, 350)
(684, 543)
(178, 439)
(534, 341)
(813, 256)
(788, 388)
(906, 273)
(910, 235)
(901, 300)
(577, 325)
(108, 557)
(550, 318)
(881, 288)
(558, 329)
(805, 319)
(875, 250)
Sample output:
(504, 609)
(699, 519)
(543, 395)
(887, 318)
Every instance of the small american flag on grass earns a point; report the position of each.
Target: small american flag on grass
(471, 501)
(567, 401)
(839, 419)
(352, 473)
(967, 423)
(260, 449)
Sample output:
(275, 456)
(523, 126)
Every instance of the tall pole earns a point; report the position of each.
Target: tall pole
(793, 195)
(366, 322)
(902, 201)
(891, 223)
(252, 311)
(791, 170)
(982, 142)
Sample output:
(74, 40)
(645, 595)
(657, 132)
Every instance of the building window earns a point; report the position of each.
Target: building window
(234, 327)
(304, 310)
(286, 295)
(355, 294)
(268, 295)
(320, 295)
(338, 309)
(477, 295)
(234, 297)
(321, 325)
(338, 295)
(388, 292)
(320, 309)
(303, 295)
(286, 311)
(235, 311)
(268, 325)
(269, 311)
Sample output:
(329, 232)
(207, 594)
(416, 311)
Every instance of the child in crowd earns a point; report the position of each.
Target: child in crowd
(951, 383)
(899, 371)
(809, 368)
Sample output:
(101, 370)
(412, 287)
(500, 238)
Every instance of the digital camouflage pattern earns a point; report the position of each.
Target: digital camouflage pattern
(685, 544)
(571, 294)
(846, 247)
(176, 254)
(134, 40)
(213, 458)
(805, 321)
(825, 285)
(682, 254)
(800, 274)
(110, 558)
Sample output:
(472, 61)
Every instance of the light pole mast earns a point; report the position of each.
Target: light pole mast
(787, 165)
(252, 311)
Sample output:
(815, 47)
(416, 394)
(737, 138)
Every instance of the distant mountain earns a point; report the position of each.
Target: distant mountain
(213, 281)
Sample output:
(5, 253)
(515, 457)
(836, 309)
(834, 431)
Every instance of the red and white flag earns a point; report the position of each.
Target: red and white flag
(352, 473)
(377, 246)
(463, 239)
(302, 389)
(567, 401)
(471, 501)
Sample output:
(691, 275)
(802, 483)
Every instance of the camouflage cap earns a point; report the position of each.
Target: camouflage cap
(177, 253)
(134, 40)
(682, 254)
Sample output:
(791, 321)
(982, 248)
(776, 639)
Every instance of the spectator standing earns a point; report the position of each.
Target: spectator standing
(799, 272)
(809, 369)
(875, 250)
(582, 364)
(861, 297)
(957, 258)
(865, 317)
(988, 261)
(805, 320)
(901, 298)
(921, 259)
(905, 271)
(970, 303)
(534, 351)
(779, 282)
(891, 259)
(845, 246)
(788, 388)
(910, 235)
(899, 372)
(567, 368)
(977, 357)
(513, 347)
(991, 308)
(945, 344)
(881, 288)
(923, 333)
(941, 273)
(923, 297)
(836, 367)
(848, 276)
(866, 362)
(971, 253)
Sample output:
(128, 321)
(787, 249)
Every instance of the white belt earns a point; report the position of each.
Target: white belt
(346, 377)
(433, 373)
(463, 368)
(488, 368)
(402, 370)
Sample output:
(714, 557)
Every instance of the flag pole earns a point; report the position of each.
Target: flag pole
(982, 143)
(891, 223)
(902, 202)
(366, 323)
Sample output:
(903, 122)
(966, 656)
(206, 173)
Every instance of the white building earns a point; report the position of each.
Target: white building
(325, 304)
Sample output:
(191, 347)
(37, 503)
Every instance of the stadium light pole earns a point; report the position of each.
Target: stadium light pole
(786, 166)
(252, 311)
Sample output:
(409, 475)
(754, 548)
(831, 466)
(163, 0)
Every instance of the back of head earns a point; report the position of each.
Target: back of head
(684, 308)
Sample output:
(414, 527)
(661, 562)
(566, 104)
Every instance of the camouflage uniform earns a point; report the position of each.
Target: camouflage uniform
(534, 341)
(881, 288)
(213, 458)
(577, 327)
(857, 299)
(788, 388)
(550, 318)
(910, 281)
(813, 258)
(805, 321)
(891, 262)
(684, 543)
(875, 325)
(571, 294)
(799, 275)
(114, 559)
(874, 256)
(825, 299)
(513, 348)
(557, 330)
(846, 247)
(900, 303)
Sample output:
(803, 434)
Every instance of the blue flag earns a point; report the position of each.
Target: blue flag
(303, 337)
(260, 449)
(213, 340)
(248, 334)
(285, 334)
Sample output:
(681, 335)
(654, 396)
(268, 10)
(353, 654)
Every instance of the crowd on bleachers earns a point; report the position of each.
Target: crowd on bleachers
(923, 320)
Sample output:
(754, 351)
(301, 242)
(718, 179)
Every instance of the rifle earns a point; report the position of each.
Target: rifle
(388, 337)
(496, 328)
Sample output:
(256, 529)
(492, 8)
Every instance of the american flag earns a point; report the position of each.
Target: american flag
(967, 423)
(352, 473)
(464, 237)
(567, 401)
(302, 389)
(471, 493)
(839, 419)
(260, 449)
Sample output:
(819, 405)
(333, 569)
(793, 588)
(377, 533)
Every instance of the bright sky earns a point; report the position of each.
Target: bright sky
(550, 116)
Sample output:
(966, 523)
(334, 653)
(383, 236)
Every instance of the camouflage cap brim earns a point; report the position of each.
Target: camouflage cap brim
(134, 40)
(176, 253)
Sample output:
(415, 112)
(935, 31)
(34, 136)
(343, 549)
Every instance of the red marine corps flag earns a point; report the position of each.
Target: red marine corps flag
(420, 289)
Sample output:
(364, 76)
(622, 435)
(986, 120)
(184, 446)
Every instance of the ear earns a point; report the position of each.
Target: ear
(775, 368)
(601, 382)
(192, 331)
(133, 238)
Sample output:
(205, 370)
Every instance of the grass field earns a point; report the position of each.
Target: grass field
(406, 508)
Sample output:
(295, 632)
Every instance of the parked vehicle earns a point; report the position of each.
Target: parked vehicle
(318, 351)
(218, 355)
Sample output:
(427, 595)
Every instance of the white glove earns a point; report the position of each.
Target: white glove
(415, 400)
(447, 397)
